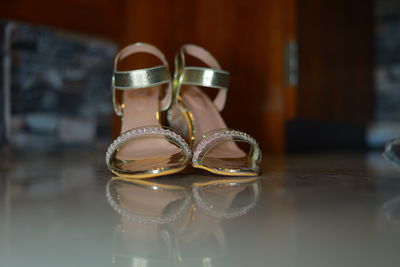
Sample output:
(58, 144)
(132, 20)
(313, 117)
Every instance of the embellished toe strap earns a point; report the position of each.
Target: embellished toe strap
(146, 131)
(214, 137)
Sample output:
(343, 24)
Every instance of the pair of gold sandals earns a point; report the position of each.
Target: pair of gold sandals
(197, 134)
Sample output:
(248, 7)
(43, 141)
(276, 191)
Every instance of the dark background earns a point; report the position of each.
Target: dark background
(306, 74)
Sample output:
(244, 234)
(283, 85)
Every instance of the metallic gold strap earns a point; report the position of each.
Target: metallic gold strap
(142, 78)
(136, 79)
(206, 77)
(213, 77)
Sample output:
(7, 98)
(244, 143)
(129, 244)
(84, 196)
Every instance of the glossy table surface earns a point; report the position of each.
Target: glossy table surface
(305, 210)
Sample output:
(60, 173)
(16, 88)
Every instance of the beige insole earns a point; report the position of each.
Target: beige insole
(207, 118)
(140, 107)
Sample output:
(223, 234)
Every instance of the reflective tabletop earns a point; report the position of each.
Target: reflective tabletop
(65, 209)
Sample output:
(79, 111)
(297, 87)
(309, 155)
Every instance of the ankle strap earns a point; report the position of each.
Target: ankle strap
(141, 78)
(213, 77)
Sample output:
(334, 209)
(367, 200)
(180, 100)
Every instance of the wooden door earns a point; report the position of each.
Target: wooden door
(335, 93)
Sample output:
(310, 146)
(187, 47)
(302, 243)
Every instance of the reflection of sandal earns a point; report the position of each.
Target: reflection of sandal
(144, 149)
(145, 206)
(204, 238)
(147, 202)
(215, 147)
(226, 188)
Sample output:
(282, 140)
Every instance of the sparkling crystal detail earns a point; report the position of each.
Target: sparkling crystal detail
(213, 138)
(134, 133)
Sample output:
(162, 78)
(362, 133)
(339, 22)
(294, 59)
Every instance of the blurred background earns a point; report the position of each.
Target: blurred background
(307, 75)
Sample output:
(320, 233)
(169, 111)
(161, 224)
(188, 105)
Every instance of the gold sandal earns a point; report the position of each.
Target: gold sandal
(197, 118)
(144, 149)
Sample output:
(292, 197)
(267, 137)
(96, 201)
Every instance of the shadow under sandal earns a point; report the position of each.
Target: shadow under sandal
(144, 149)
(216, 148)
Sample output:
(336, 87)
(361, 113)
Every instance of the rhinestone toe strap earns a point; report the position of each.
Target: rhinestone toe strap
(211, 139)
(146, 131)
